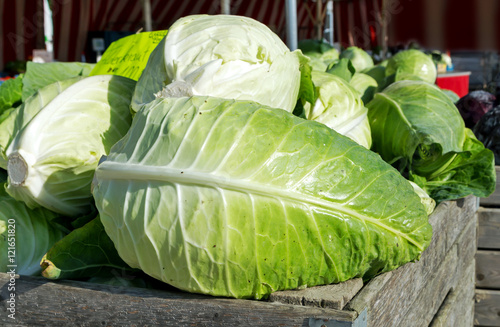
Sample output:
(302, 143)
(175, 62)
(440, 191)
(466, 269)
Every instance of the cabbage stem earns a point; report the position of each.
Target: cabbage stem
(17, 169)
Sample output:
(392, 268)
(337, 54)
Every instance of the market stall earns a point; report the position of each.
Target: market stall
(217, 173)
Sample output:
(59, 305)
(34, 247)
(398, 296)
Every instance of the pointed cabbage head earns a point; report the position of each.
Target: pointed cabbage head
(224, 56)
(232, 198)
(339, 106)
(56, 147)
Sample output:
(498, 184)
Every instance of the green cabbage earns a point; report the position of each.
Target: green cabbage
(14, 119)
(339, 106)
(418, 129)
(29, 233)
(224, 56)
(408, 63)
(360, 58)
(365, 85)
(232, 198)
(59, 138)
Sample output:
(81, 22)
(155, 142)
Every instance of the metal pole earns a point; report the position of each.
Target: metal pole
(148, 24)
(291, 24)
(48, 26)
(225, 7)
(329, 14)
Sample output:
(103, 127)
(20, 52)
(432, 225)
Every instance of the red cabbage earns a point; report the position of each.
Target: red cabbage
(474, 105)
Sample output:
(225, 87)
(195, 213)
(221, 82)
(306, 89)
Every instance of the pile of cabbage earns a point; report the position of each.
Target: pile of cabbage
(233, 166)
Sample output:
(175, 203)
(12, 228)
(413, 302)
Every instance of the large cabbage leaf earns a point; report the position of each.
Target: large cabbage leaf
(232, 198)
(11, 93)
(39, 75)
(58, 143)
(339, 106)
(418, 129)
(85, 252)
(28, 233)
(225, 56)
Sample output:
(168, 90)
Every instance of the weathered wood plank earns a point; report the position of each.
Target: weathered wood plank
(389, 297)
(334, 296)
(457, 309)
(488, 228)
(68, 303)
(445, 278)
(488, 269)
(487, 309)
(494, 199)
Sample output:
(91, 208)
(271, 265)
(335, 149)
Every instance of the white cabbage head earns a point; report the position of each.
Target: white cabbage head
(339, 106)
(224, 56)
(57, 143)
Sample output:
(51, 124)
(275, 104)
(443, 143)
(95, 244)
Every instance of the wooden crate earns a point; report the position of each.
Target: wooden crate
(436, 291)
(487, 308)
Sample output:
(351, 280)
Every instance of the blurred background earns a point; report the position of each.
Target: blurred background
(80, 30)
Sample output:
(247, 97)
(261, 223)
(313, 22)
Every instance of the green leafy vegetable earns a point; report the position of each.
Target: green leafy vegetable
(14, 119)
(10, 93)
(28, 233)
(377, 72)
(224, 56)
(39, 75)
(411, 64)
(342, 68)
(233, 198)
(58, 143)
(452, 95)
(321, 53)
(365, 85)
(360, 58)
(339, 106)
(85, 252)
(417, 128)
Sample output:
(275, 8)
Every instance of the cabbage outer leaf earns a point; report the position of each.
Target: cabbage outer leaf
(34, 234)
(414, 115)
(17, 118)
(224, 56)
(232, 198)
(53, 155)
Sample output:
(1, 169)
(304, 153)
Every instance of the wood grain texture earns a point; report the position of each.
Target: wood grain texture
(494, 199)
(391, 298)
(334, 296)
(457, 309)
(487, 309)
(43, 303)
(449, 275)
(488, 269)
(488, 228)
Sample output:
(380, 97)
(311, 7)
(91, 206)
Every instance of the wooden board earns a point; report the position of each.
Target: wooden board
(409, 296)
(414, 293)
(488, 232)
(493, 199)
(487, 309)
(457, 309)
(68, 303)
(488, 269)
